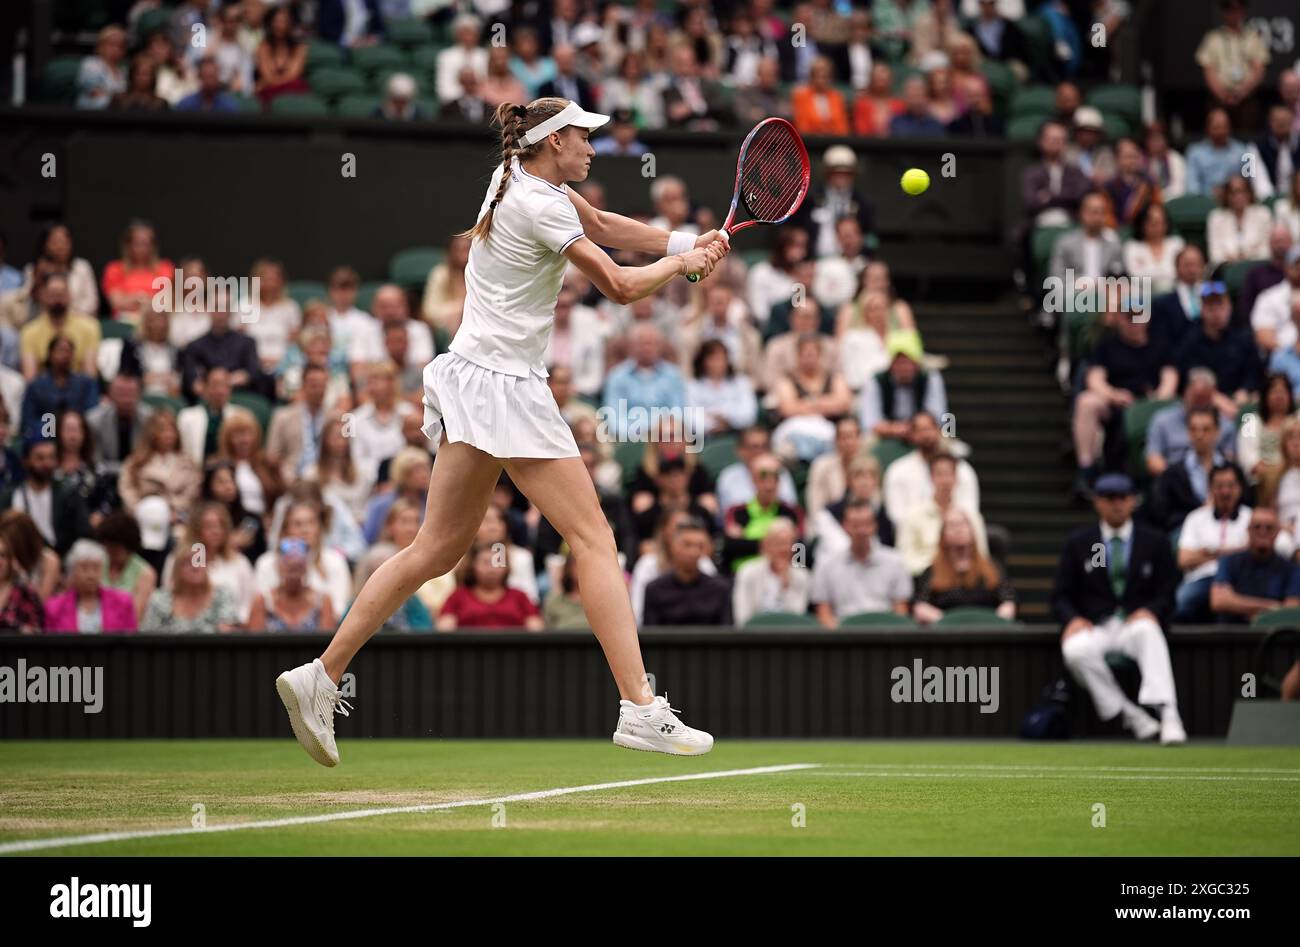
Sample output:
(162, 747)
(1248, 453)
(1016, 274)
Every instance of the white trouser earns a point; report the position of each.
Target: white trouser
(1085, 655)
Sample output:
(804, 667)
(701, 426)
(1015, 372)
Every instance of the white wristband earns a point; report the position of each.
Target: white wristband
(680, 242)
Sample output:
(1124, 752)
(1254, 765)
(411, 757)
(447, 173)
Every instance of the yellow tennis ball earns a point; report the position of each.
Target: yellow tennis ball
(915, 181)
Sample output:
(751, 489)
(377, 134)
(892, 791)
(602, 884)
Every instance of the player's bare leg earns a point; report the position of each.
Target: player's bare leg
(562, 490)
(460, 489)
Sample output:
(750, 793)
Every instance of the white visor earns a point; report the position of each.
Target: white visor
(571, 114)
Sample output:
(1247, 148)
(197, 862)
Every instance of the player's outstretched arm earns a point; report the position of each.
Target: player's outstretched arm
(607, 229)
(625, 284)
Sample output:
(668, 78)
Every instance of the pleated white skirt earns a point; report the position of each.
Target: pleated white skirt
(502, 415)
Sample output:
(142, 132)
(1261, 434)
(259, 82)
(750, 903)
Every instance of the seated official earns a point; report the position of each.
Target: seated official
(774, 581)
(1114, 590)
(686, 596)
(961, 576)
(1256, 580)
(866, 577)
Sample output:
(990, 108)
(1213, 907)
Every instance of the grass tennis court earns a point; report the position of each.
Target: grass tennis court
(857, 798)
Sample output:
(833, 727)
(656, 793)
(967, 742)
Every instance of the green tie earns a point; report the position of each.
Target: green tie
(1118, 570)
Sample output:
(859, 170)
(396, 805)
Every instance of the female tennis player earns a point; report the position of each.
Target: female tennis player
(487, 403)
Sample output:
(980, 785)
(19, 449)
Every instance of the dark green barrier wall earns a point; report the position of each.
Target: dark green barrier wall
(763, 683)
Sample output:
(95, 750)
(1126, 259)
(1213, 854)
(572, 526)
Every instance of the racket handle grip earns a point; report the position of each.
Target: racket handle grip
(695, 277)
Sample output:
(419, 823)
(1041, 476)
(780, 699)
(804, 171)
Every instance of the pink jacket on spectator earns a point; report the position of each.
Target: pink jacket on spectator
(116, 610)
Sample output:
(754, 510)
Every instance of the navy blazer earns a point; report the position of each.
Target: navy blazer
(1083, 589)
(331, 20)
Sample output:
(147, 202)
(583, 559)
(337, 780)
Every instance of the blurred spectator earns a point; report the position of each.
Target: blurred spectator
(621, 141)
(1052, 189)
(770, 281)
(1124, 367)
(186, 325)
(832, 200)
(838, 277)
(1257, 579)
(191, 603)
(781, 357)
(1185, 485)
(219, 487)
(1066, 101)
(234, 63)
(875, 105)
(573, 409)
(239, 441)
(494, 531)
(11, 465)
(999, 37)
(890, 399)
(1089, 150)
(103, 75)
(1092, 252)
(645, 381)
(1168, 169)
(184, 18)
(828, 475)
(408, 480)
(1151, 253)
(563, 609)
(1286, 209)
(399, 103)
(632, 89)
(1224, 349)
(980, 120)
(1119, 607)
(810, 399)
(1239, 229)
(211, 539)
(376, 428)
(863, 484)
(1167, 440)
(1259, 439)
(175, 78)
(668, 491)
(466, 53)
(38, 564)
(118, 422)
(444, 291)
(21, 611)
(1277, 308)
(124, 569)
(139, 95)
(401, 525)
(128, 281)
(946, 103)
(89, 607)
(1275, 155)
(276, 317)
(718, 314)
(747, 50)
(745, 525)
(577, 343)
(920, 530)
(160, 467)
(56, 247)
(352, 330)
(293, 442)
(735, 484)
(482, 598)
(1130, 189)
(293, 605)
(819, 107)
(1209, 534)
(1280, 486)
(722, 399)
(200, 424)
(58, 319)
(1267, 274)
(281, 57)
(568, 81)
(688, 100)
(1176, 311)
(151, 357)
(915, 120)
(896, 22)
(773, 581)
(865, 577)
(1233, 58)
(1215, 158)
(340, 479)
(327, 570)
(961, 574)
(907, 480)
(10, 277)
(684, 595)
(58, 387)
(532, 68)
(350, 23)
(933, 30)
(391, 305)
(499, 84)
(76, 465)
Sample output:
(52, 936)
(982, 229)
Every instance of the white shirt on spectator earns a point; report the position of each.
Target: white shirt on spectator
(274, 325)
(39, 505)
(1203, 530)
(330, 576)
(757, 590)
(373, 440)
(1273, 311)
(1140, 261)
(907, 483)
(1229, 239)
(450, 62)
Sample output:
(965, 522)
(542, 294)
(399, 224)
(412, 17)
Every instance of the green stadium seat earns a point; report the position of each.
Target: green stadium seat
(1124, 100)
(628, 454)
(1280, 618)
(366, 295)
(303, 291)
(358, 106)
(305, 104)
(428, 106)
(1041, 55)
(372, 59)
(1117, 126)
(248, 104)
(163, 402)
(59, 81)
(1187, 214)
(409, 31)
(719, 453)
(151, 21)
(260, 407)
(323, 55)
(334, 82)
(1234, 274)
(1136, 419)
(966, 617)
(113, 329)
(782, 620)
(902, 74)
(1033, 100)
(1025, 127)
(425, 58)
(1041, 243)
(886, 450)
(876, 620)
(411, 267)
(1001, 80)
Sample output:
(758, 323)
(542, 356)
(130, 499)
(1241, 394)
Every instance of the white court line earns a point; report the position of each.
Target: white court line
(1070, 769)
(936, 774)
(32, 845)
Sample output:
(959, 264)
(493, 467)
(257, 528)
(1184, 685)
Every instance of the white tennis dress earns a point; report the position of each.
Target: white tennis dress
(490, 389)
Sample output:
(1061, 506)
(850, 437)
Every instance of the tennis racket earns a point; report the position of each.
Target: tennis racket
(772, 176)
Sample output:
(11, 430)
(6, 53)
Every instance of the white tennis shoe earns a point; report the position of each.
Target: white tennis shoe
(312, 700)
(1171, 727)
(656, 728)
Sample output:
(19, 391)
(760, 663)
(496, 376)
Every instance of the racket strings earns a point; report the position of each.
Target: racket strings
(772, 179)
